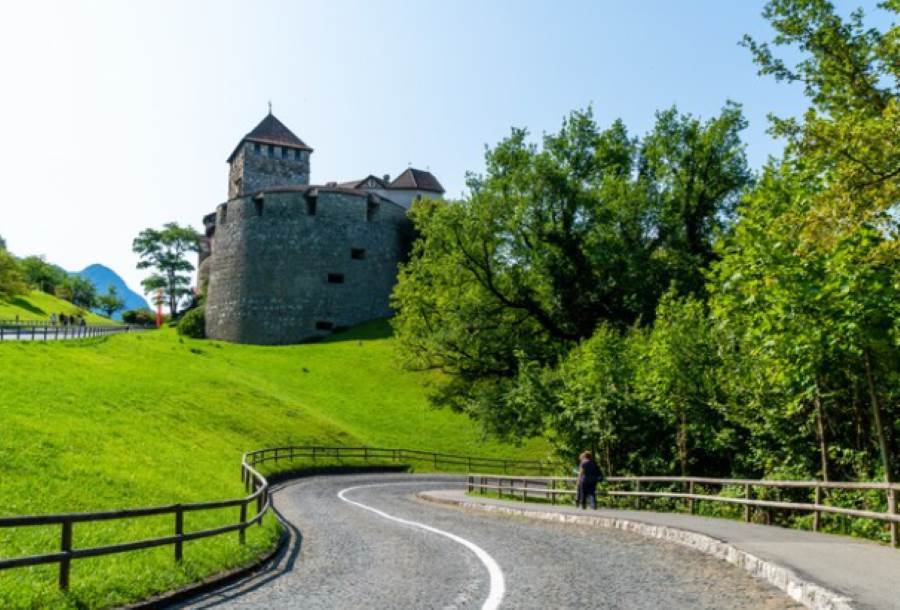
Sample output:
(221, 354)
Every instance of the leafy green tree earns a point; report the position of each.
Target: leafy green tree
(165, 251)
(675, 376)
(806, 294)
(11, 282)
(110, 302)
(591, 227)
(42, 275)
(78, 291)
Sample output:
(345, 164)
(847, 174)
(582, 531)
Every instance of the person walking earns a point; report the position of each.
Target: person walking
(588, 477)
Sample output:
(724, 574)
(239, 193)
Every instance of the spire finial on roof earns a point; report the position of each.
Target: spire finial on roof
(270, 106)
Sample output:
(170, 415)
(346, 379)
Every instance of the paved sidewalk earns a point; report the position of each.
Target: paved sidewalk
(811, 567)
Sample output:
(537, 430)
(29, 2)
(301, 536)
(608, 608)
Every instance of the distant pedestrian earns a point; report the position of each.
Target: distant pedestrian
(588, 477)
(83, 322)
(63, 319)
(52, 319)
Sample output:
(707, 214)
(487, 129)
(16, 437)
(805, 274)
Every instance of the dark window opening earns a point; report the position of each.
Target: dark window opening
(357, 253)
(284, 153)
(323, 325)
(224, 213)
(256, 147)
(259, 203)
(270, 150)
(335, 278)
(311, 205)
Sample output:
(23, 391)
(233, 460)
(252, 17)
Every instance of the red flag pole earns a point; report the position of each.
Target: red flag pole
(159, 300)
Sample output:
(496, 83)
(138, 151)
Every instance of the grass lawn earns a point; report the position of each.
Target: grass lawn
(148, 418)
(37, 305)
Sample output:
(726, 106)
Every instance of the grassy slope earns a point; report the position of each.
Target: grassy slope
(112, 422)
(37, 305)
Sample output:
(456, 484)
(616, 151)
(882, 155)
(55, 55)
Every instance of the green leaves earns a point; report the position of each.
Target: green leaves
(166, 250)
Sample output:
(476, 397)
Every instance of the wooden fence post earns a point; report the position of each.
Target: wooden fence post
(892, 508)
(817, 515)
(691, 503)
(552, 491)
(747, 506)
(179, 531)
(242, 533)
(66, 547)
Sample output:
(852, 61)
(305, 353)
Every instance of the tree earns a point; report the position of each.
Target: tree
(590, 228)
(11, 282)
(41, 274)
(806, 293)
(165, 250)
(110, 302)
(78, 291)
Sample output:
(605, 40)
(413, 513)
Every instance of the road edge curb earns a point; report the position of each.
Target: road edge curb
(801, 589)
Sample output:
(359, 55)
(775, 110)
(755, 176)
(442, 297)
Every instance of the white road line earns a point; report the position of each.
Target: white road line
(498, 583)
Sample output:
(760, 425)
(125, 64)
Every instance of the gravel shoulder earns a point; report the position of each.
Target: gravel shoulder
(342, 556)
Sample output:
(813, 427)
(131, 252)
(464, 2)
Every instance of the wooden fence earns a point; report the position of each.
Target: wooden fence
(551, 488)
(257, 500)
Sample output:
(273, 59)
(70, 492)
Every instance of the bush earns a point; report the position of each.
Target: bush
(193, 324)
(139, 316)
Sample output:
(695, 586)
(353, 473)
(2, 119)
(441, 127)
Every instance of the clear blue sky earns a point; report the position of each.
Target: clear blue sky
(117, 116)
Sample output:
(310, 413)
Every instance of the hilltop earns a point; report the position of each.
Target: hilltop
(102, 277)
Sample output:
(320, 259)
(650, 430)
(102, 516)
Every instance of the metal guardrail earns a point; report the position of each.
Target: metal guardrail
(256, 486)
(553, 487)
(48, 332)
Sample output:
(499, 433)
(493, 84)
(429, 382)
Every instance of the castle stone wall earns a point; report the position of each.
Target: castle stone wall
(272, 260)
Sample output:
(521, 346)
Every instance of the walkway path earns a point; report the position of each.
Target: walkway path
(366, 541)
(865, 572)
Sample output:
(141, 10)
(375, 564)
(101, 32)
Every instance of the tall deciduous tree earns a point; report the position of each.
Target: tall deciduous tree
(166, 252)
(110, 302)
(591, 227)
(11, 281)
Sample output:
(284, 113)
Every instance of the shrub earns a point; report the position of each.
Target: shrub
(193, 324)
(138, 316)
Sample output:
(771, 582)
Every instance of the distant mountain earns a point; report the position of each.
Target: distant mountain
(102, 277)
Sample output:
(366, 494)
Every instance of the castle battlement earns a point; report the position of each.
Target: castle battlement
(286, 261)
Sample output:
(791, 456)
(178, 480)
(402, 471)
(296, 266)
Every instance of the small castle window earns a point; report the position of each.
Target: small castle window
(224, 213)
(259, 203)
(311, 201)
(323, 325)
(335, 278)
(357, 253)
(284, 153)
(270, 150)
(256, 147)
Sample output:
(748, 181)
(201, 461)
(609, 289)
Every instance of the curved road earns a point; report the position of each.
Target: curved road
(365, 541)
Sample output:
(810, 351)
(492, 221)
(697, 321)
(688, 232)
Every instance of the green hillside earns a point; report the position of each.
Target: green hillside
(146, 419)
(37, 305)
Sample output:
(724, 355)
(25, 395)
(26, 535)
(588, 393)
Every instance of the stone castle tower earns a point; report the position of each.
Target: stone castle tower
(285, 261)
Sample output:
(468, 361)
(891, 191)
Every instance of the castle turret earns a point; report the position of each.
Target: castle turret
(269, 156)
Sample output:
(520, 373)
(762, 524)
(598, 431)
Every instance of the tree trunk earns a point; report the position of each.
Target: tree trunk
(877, 420)
(681, 441)
(820, 428)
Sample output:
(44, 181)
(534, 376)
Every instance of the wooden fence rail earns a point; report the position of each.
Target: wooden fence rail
(551, 488)
(257, 499)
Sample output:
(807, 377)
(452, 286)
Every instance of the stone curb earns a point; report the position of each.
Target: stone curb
(797, 587)
(211, 582)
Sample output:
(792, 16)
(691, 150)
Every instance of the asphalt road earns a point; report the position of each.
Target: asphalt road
(364, 541)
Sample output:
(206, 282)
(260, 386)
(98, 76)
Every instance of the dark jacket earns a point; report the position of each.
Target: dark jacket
(589, 472)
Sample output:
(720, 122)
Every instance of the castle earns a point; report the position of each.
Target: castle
(284, 261)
